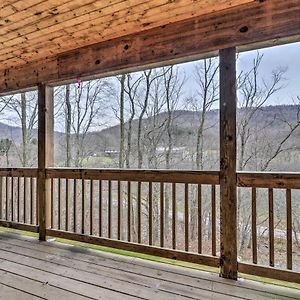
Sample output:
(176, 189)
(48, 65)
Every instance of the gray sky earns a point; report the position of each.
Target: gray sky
(274, 57)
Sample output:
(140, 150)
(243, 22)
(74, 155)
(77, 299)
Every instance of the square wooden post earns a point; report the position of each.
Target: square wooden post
(45, 155)
(228, 189)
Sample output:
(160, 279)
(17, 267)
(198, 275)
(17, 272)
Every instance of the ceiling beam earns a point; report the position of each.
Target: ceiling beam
(244, 25)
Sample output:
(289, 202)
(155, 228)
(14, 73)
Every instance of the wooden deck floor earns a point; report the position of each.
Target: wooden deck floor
(48, 270)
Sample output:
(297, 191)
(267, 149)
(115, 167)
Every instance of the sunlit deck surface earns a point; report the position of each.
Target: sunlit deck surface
(50, 270)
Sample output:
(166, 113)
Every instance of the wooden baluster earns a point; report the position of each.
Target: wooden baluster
(36, 203)
(213, 220)
(100, 207)
(174, 215)
(289, 245)
(128, 211)
(25, 199)
(67, 205)
(150, 214)
(52, 202)
(119, 210)
(82, 205)
(186, 217)
(253, 227)
(12, 198)
(139, 204)
(74, 205)
(6, 198)
(18, 199)
(31, 200)
(109, 209)
(162, 221)
(271, 228)
(199, 194)
(59, 203)
(91, 205)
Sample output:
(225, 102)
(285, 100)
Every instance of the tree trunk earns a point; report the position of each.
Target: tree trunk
(24, 130)
(122, 131)
(68, 126)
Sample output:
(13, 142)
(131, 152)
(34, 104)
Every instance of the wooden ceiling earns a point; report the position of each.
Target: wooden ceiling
(37, 29)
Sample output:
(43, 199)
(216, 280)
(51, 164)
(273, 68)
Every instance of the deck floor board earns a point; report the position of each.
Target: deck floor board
(30, 269)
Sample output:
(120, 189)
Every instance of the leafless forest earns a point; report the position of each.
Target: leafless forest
(168, 118)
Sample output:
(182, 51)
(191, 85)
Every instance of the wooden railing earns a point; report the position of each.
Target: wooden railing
(18, 200)
(173, 214)
(268, 187)
(144, 211)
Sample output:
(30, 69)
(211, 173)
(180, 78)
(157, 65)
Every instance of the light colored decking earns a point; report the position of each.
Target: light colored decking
(48, 270)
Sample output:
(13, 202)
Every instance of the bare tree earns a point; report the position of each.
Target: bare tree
(84, 105)
(24, 107)
(68, 120)
(132, 91)
(206, 77)
(122, 129)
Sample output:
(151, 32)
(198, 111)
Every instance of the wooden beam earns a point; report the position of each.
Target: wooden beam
(228, 204)
(45, 155)
(254, 22)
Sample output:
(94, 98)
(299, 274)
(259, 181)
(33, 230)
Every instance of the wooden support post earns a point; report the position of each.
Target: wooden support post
(45, 155)
(228, 181)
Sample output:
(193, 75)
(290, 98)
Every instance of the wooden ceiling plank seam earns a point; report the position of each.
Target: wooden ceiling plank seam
(173, 42)
(24, 17)
(22, 7)
(58, 21)
(61, 19)
(193, 2)
(78, 31)
(66, 38)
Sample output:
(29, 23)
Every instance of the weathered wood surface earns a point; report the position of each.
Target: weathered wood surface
(43, 28)
(51, 270)
(269, 272)
(279, 180)
(130, 246)
(228, 188)
(242, 25)
(20, 226)
(185, 176)
(45, 156)
(18, 172)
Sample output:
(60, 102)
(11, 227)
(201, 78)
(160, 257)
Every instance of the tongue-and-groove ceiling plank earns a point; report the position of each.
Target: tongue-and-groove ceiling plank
(266, 22)
(35, 29)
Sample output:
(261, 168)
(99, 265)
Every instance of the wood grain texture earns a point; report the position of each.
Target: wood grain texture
(45, 156)
(187, 39)
(166, 176)
(50, 27)
(156, 251)
(55, 263)
(228, 189)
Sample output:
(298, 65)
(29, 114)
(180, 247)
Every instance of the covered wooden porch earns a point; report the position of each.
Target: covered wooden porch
(49, 43)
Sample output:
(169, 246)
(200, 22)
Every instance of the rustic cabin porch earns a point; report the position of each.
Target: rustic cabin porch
(48, 43)
(48, 270)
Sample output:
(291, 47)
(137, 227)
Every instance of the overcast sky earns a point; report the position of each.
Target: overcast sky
(287, 56)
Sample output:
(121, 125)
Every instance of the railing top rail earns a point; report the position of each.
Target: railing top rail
(18, 172)
(279, 180)
(168, 176)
